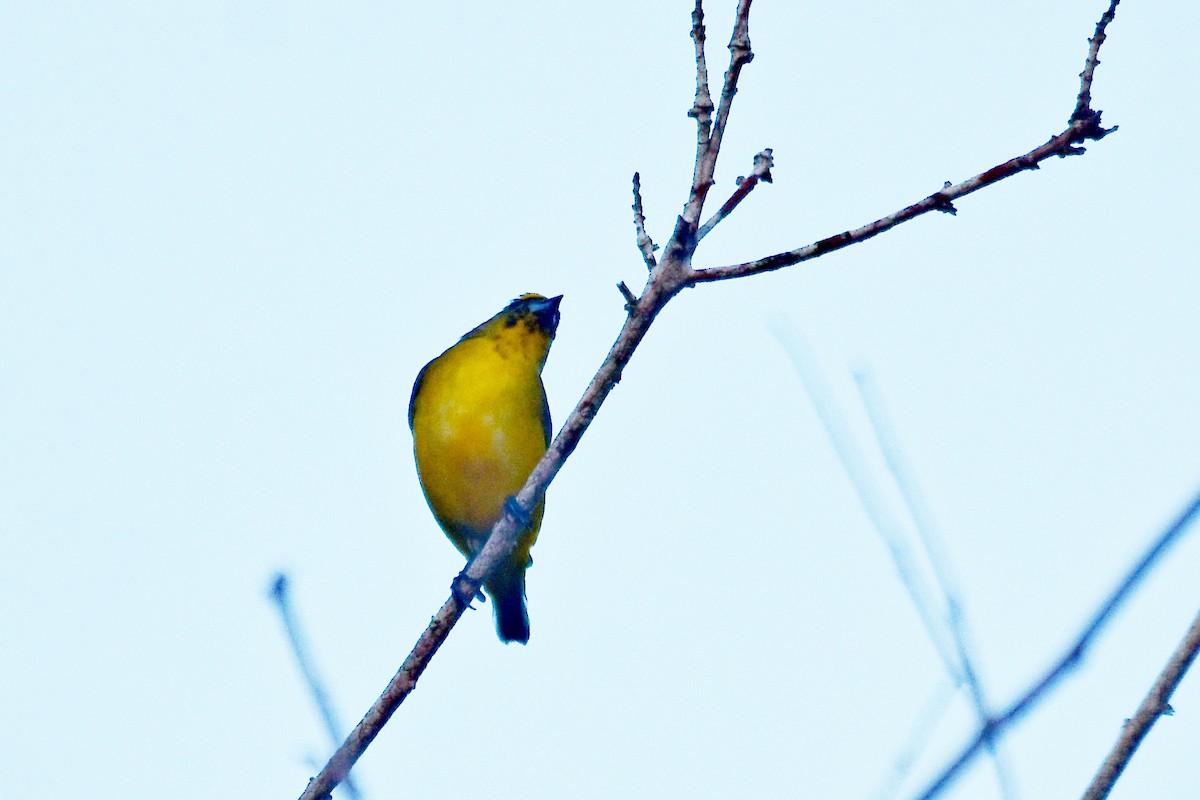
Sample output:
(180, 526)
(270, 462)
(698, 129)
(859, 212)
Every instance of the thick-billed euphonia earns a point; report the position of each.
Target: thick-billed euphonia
(480, 424)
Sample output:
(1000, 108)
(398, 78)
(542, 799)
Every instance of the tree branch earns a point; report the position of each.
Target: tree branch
(1061, 145)
(1083, 104)
(930, 539)
(1084, 125)
(762, 172)
(645, 244)
(709, 139)
(672, 273)
(400, 687)
(1074, 655)
(702, 108)
(280, 596)
(1156, 704)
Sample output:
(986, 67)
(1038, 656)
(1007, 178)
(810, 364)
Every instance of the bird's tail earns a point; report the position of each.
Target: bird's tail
(508, 603)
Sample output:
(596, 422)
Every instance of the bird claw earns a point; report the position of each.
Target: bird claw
(466, 591)
(519, 515)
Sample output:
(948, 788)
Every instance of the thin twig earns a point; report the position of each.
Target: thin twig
(706, 154)
(922, 733)
(627, 295)
(740, 55)
(1060, 145)
(400, 687)
(957, 663)
(1156, 704)
(761, 172)
(645, 244)
(1083, 104)
(927, 535)
(279, 594)
(1084, 126)
(869, 494)
(1074, 655)
(702, 108)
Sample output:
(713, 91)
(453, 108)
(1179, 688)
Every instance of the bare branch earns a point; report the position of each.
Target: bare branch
(740, 55)
(922, 734)
(645, 244)
(1083, 105)
(1084, 126)
(1060, 145)
(927, 534)
(762, 172)
(672, 273)
(629, 297)
(870, 495)
(702, 109)
(706, 156)
(1156, 704)
(282, 599)
(400, 686)
(1074, 655)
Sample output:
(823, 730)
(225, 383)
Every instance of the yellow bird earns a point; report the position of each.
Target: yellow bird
(480, 424)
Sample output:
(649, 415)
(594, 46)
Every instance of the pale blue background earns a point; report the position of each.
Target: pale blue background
(231, 233)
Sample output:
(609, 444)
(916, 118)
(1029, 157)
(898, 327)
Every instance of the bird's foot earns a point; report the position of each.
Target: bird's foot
(520, 515)
(466, 590)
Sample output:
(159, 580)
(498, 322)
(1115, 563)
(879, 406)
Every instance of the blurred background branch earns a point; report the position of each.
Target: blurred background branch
(280, 595)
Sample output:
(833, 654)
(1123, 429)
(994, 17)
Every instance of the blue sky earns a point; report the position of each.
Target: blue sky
(233, 233)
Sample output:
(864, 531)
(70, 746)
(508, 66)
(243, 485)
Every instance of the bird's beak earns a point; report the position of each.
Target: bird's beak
(546, 312)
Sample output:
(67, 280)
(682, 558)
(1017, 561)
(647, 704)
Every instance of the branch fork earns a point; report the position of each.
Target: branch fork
(670, 272)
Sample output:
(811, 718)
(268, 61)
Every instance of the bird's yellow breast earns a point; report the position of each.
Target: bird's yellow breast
(479, 430)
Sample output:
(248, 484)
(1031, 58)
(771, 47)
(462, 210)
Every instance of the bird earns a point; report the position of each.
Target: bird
(480, 423)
